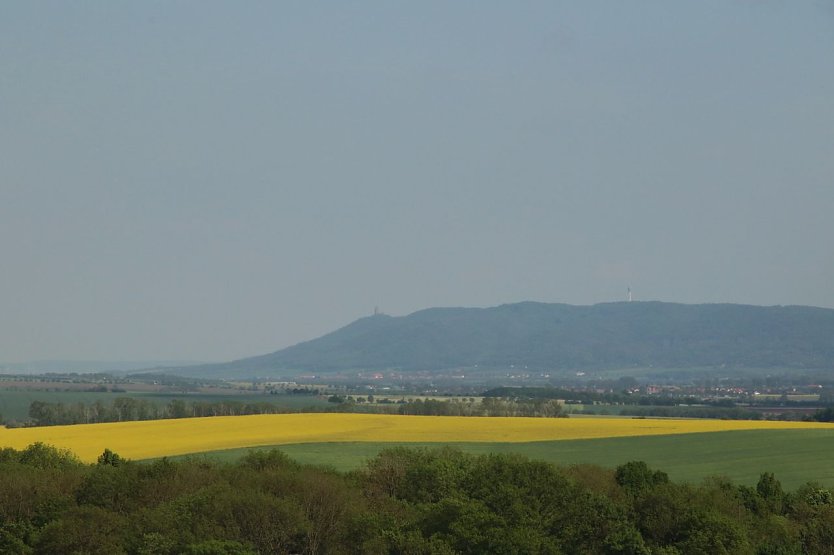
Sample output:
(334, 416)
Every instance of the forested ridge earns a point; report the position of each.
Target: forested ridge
(547, 336)
(404, 501)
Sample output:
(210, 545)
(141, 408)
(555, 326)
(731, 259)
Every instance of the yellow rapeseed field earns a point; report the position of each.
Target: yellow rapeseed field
(157, 438)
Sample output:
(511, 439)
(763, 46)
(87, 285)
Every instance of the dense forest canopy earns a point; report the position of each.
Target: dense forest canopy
(412, 501)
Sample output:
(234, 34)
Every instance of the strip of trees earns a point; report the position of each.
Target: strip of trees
(488, 406)
(123, 409)
(132, 408)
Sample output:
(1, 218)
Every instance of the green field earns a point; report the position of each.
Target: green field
(795, 456)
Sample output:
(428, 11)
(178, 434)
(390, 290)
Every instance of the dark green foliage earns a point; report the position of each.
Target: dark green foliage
(818, 496)
(488, 406)
(109, 488)
(551, 393)
(497, 504)
(823, 415)
(218, 547)
(273, 458)
(16, 538)
(405, 501)
(735, 413)
(632, 404)
(636, 476)
(109, 458)
(124, 409)
(268, 523)
(40, 455)
(7, 454)
(770, 490)
(86, 529)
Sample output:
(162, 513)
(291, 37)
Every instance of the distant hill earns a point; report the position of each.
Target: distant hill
(560, 336)
(86, 366)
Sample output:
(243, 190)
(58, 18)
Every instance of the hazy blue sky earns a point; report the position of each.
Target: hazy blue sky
(211, 180)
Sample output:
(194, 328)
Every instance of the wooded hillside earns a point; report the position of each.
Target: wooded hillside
(559, 336)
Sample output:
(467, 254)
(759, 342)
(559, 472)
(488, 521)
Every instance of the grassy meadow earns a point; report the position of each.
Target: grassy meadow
(795, 456)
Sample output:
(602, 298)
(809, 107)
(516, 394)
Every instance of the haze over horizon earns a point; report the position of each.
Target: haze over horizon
(215, 180)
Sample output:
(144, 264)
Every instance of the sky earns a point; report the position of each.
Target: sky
(201, 180)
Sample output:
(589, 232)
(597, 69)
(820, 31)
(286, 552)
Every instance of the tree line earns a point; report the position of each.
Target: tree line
(649, 405)
(122, 409)
(488, 406)
(403, 501)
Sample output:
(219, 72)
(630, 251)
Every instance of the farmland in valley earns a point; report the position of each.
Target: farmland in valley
(356, 436)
